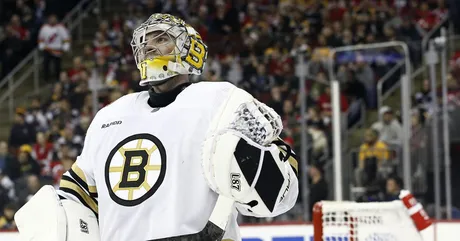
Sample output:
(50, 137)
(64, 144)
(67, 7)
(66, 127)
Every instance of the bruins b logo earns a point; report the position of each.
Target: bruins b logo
(135, 169)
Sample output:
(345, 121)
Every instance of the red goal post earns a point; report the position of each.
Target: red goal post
(400, 220)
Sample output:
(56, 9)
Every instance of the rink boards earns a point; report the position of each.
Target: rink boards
(443, 231)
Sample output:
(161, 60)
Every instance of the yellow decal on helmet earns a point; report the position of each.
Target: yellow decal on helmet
(143, 70)
(197, 53)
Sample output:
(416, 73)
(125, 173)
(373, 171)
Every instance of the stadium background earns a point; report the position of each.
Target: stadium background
(46, 108)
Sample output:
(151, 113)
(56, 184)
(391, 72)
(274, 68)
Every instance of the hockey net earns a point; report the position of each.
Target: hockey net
(377, 221)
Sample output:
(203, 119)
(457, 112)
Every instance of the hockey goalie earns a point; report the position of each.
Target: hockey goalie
(177, 162)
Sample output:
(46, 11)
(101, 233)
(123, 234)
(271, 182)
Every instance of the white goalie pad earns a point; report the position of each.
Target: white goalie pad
(46, 218)
(239, 159)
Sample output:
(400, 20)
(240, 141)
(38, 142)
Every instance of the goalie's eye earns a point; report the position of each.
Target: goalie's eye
(162, 40)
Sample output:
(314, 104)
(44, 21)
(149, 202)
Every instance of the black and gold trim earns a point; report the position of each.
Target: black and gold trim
(79, 176)
(70, 186)
(287, 154)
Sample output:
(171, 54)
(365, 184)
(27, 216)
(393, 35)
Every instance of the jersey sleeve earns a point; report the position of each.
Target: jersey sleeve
(65, 38)
(78, 184)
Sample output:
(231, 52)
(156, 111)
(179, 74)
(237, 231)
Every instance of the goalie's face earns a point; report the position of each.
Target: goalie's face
(158, 43)
(165, 46)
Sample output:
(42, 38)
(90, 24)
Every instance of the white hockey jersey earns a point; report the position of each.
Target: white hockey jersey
(54, 38)
(141, 171)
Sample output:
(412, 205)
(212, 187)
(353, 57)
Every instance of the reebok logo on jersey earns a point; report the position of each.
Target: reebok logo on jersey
(83, 226)
(111, 124)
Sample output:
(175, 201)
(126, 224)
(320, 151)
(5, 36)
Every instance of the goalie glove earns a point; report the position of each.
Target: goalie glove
(242, 161)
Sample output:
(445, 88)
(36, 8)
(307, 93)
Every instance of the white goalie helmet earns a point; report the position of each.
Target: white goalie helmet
(165, 46)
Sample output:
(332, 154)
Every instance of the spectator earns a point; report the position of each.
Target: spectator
(75, 142)
(101, 45)
(353, 86)
(4, 156)
(27, 165)
(104, 30)
(7, 219)
(21, 133)
(288, 115)
(35, 116)
(4, 195)
(389, 128)
(8, 163)
(18, 29)
(53, 40)
(424, 100)
(393, 187)
(325, 106)
(318, 188)
(88, 57)
(372, 155)
(319, 145)
(10, 50)
(42, 152)
(77, 68)
(365, 75)
(40, 6)
(7, 191)
(32, 185)
(176, 7)
(56, 94)
(67, 86)
(59, 168)
(314, 118)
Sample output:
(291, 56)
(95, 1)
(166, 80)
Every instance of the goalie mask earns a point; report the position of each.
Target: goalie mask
(165, 46)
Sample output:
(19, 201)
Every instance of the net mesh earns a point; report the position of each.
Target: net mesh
(349, 221)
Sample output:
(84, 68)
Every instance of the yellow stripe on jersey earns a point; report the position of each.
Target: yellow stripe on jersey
(93, 191)
(70, 186)
(77, 173)
(77, 170)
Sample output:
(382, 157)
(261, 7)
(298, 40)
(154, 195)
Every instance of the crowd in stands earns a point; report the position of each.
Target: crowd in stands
(20, 23)
(252, 44)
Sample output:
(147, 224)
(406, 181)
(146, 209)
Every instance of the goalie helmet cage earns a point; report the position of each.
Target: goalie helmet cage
(375, 221)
